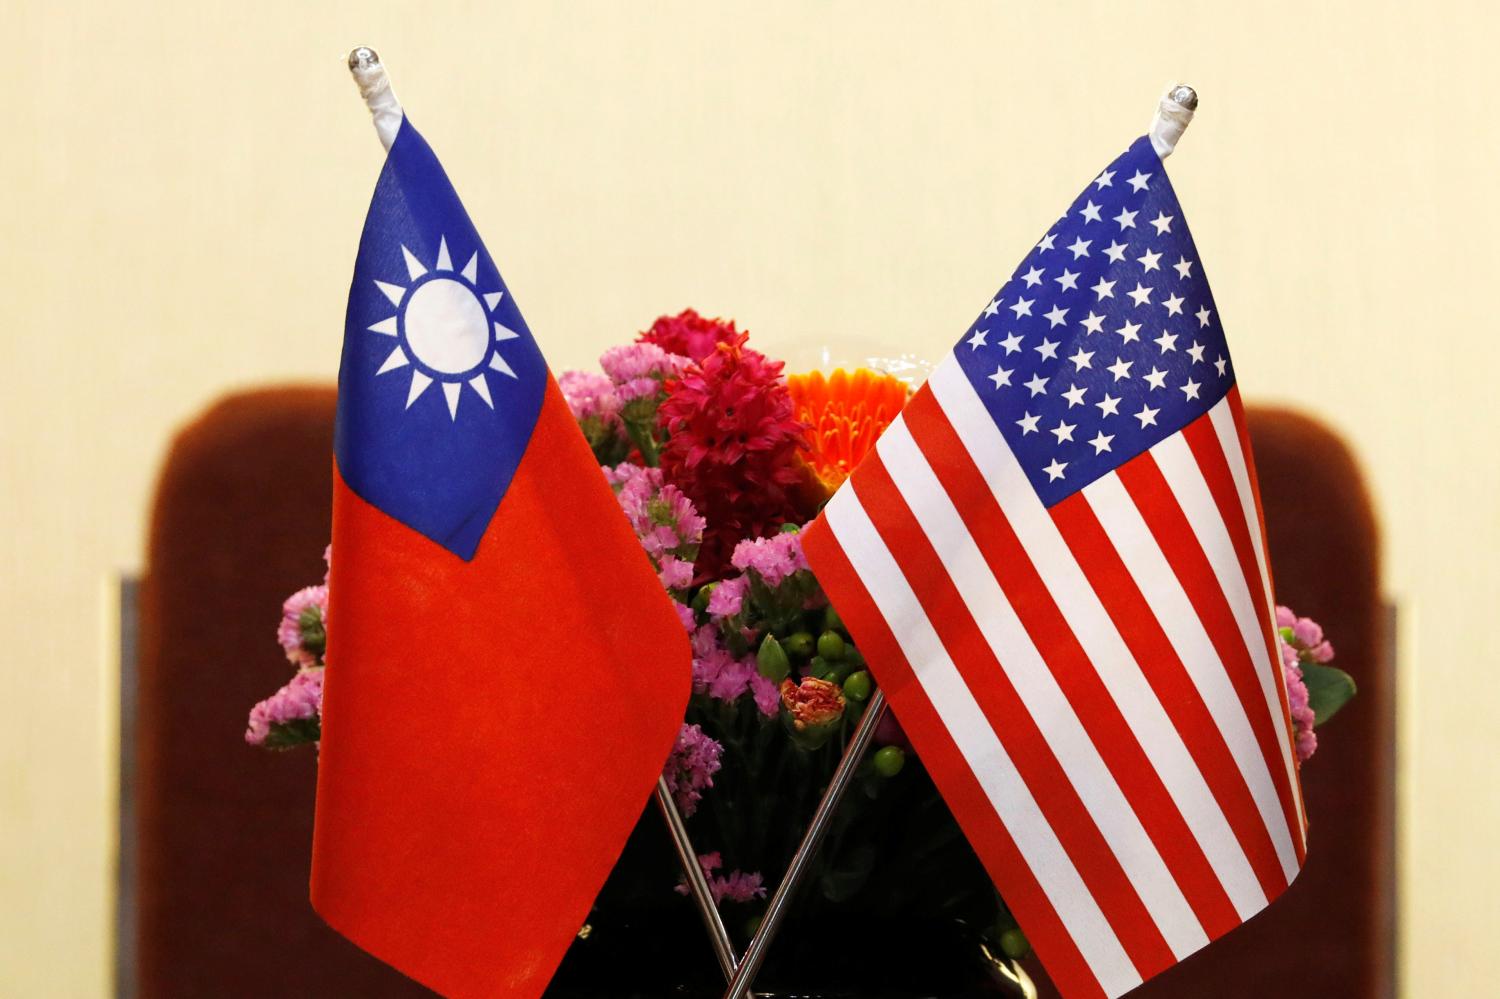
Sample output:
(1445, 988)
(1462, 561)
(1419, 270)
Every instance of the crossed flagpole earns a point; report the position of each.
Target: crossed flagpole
(1174, 111)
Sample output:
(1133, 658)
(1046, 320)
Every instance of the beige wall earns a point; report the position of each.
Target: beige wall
(183, 187)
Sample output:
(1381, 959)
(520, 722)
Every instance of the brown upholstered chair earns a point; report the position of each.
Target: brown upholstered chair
(240, 520)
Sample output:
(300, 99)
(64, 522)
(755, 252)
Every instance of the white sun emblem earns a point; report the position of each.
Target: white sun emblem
(444, 325)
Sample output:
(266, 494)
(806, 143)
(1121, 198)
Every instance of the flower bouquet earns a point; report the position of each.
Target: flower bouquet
(718, 459)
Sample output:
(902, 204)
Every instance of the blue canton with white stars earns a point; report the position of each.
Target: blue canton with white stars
(1106, 339)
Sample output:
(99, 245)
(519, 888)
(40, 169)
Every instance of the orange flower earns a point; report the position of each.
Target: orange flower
(846, 413)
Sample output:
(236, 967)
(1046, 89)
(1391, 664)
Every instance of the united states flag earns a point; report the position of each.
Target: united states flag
(1055, 563)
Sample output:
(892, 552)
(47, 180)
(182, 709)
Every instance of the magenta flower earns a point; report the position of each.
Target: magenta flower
(1307, 643)
(736, 886)
(728, 598)
(676, 573)
(637, 388)
(633, 361)
(773, 559)
(302, 632)
(590, 396)
(662, 517)
(301, 700)
(691, 767)
(724, 676)
(766, 693)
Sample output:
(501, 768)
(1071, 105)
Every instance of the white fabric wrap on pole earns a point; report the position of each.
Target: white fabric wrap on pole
(1172, 117)
(375, 88)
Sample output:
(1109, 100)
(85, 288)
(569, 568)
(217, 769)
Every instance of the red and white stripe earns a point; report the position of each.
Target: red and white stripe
(1095, 688)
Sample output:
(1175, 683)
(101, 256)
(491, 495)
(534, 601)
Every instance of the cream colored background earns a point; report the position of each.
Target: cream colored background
(184, 184)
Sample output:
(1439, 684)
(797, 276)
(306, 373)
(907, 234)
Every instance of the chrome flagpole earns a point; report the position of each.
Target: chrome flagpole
(375, 87)
(843, 776)
(1174, 112)
(697, 881)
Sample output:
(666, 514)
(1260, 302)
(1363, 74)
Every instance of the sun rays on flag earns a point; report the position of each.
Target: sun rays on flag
(444, 329)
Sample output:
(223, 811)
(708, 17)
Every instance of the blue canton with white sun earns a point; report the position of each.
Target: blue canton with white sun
(1106, 339)
(440, 382)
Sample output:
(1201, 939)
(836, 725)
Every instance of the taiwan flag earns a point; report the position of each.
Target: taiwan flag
(506, 675)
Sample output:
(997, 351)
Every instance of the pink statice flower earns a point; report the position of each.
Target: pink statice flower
(691, 767)
(663, 518)
(632, 361)
(728, 598)
(274, 722)
(302, 631)
(686, 616)
(676, 573)
(766, 693)
(724, 676)
(637, 388)
(1303, 716)
(639, 372)
(773, 559)
(597, 407)
(1307, 634)
(590, 396)
(1301, 640)
(735, 886)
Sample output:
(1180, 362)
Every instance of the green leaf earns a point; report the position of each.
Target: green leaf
(299, 732)
(1328, 689)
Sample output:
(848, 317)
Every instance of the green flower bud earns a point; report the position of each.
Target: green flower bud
(771, 660)
(819, 668)
(858, 686)
(889, 760)
(854, 656)
(1014, 943)
(789, 528)
(799, 644)
(1288, 635)
(700, 599)
(831, 619)
(831, 645)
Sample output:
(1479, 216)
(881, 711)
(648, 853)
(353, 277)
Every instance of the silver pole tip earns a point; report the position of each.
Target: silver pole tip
(363, 57)
(1182, 94)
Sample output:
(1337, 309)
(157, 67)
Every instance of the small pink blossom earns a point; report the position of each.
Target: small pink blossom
(590, 396)
(691, 767)
(766, 693)
(724, 676)
(634, 361)
(637, 388)
(728, 598)
(308, 606)
(299, 700)
(676, 573)
(773, 559)
(736, 886)
(1307, 644)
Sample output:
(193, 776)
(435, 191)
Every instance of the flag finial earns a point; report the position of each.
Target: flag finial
(363, 57)
(375, 87)
(1172, 116)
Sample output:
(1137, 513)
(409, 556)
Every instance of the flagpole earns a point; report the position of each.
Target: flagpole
(697, 881)
(375, 87)
(776, 909)
(1173, 113)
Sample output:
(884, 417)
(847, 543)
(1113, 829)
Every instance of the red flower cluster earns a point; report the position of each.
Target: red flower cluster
(733, 447)
(689, 334)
